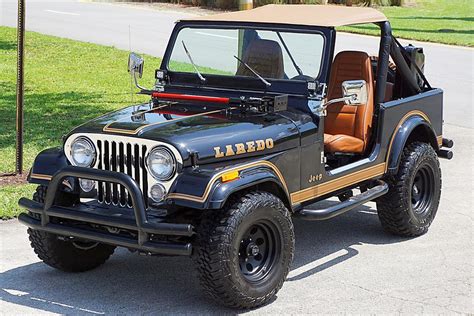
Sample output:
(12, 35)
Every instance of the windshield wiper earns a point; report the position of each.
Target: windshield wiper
(268, 84)
(298, 69)
(192, 62)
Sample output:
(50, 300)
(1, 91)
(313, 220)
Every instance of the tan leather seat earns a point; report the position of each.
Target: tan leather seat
(347, 127)
(265, 57)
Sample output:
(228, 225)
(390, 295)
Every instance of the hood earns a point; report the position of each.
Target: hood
(212, 133)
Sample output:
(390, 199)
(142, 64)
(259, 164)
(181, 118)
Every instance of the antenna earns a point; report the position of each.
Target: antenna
(131, 79)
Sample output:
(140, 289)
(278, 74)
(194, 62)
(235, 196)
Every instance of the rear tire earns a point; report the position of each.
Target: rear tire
(410, 206)
(62, 253)
(244, 251)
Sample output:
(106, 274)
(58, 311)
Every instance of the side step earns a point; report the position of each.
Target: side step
(338, 209)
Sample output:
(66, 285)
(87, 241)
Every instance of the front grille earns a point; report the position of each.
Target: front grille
(122, 157)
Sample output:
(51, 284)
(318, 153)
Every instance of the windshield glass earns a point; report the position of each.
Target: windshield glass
(271, 54)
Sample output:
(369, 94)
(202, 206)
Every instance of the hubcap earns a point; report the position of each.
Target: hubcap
(258, 251)
(422, 190)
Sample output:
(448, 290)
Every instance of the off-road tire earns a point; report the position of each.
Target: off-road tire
(396, 209)
(217, 251)
(61, 253)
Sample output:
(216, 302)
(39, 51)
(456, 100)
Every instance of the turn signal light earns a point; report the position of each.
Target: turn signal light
(230, 176)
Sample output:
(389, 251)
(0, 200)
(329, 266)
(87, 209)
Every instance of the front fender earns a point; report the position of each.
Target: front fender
(222, 191)
(205, 189)
(46, 164)
(414, 128)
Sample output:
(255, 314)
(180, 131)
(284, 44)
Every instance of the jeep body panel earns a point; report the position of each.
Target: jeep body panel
(193, 130)
(418, 116)
(47, 163)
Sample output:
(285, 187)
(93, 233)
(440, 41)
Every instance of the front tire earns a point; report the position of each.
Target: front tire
(244, 251)
(62, 253)
(410, 206)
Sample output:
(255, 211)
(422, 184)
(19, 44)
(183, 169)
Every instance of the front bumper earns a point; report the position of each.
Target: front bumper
(145, 229)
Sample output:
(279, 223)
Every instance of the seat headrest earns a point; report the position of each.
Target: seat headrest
(349, 65)
(265, 57)
(351, 54)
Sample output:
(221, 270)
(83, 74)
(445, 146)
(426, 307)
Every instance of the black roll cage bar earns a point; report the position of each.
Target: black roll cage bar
(390, 46)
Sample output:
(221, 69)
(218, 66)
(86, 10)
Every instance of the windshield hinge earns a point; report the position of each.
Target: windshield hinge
(161, 77)
(317, 93)
(316, 89)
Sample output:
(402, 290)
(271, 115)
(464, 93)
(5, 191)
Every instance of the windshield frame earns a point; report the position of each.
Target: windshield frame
(246, 82)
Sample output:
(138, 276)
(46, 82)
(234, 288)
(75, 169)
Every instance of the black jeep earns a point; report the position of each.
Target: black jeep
(252, 120)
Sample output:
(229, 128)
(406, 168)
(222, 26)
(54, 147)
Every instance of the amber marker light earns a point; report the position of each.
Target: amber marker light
(230, 176)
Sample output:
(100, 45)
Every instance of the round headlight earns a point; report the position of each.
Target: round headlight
(82, 152)
(161, 163)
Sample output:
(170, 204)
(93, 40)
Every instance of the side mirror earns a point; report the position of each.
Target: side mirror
(354, 92)
(135, 65)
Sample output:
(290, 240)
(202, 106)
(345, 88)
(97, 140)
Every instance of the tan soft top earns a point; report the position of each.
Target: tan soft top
(300, 14)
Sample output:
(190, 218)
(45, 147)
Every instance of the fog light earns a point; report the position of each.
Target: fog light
(87, 185)
(157, 192)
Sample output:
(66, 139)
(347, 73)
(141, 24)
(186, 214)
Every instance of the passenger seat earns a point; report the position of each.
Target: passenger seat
(347, 127)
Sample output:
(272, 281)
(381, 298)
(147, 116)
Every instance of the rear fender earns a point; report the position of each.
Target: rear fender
(415, 128)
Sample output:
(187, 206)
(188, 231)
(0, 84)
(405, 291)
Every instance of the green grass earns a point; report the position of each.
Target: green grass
(66, 83)
(9, 196)
(441, 21)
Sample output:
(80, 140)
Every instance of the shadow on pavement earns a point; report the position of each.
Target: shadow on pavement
(129, 283)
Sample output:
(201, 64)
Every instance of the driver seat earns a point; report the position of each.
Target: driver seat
(347, 127)
(265, 57)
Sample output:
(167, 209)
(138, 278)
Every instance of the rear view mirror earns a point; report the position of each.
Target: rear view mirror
(354, 92)
(135, 65)
(135, 68)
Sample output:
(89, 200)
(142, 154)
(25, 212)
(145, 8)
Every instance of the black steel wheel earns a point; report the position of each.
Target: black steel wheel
(258, 250)
(244, 251)
(410, 206)
(63, 253)
(422, 189)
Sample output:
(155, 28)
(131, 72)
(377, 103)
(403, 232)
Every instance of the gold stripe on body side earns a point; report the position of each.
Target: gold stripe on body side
(336, 184)
(203, 198)
(41, 176)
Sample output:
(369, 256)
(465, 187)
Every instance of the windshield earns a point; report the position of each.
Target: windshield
(247, 52)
